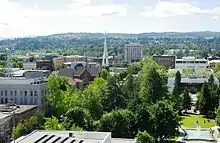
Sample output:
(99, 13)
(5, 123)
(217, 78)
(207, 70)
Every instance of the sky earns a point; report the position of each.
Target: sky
(44, 17)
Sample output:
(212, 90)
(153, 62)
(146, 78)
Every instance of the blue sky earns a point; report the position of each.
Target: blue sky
(43, 17)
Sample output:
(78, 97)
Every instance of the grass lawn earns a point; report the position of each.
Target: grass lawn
(190, 121)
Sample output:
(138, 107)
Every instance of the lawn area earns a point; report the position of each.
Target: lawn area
(190, 121)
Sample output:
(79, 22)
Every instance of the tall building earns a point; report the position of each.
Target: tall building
(165, 60)
(105, 62)
(132, 52)
(191, 63)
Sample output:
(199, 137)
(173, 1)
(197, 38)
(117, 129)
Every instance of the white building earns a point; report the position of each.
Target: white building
(191, 63)
(133, 52)
(30, 66)
(70, 137)
(23, 91)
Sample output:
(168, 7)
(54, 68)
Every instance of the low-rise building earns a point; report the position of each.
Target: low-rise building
(71, 137)
(44, 64)
(191, 63)
(10, 116)
(165, 60)
(30, 66)
(79, 74)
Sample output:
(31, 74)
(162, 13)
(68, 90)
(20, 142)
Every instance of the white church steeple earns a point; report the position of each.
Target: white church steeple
(105, 62)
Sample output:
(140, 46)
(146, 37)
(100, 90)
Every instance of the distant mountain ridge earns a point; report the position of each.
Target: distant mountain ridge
(75, 40)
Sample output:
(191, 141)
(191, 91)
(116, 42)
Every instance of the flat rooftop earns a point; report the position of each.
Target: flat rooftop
(41, 136)
(64, 137)
(17, 109)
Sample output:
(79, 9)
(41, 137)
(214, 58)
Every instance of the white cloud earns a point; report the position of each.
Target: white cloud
(167, 9)
(21, 19)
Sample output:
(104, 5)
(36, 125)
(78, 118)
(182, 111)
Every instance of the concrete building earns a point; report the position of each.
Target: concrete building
(30, 66)
(191, 81)
(71, 137)
(31, 90)
(167, 61)
(10, 116)
(58, 62)
(191, 63)
(132, 52)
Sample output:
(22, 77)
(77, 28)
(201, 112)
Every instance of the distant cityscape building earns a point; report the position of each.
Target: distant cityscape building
(58, 62)
(191, 63)
(10, 116)
(132, 52)
(44, 64)
(80, 74)
(30, 66)
(71, 137)
(191, 81)
(165, 60)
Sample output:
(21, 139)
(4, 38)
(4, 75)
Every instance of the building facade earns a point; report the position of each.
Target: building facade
(10, 116)
(132, 52)
(167, 61)
(23, 91)
(58, 62)
(44, 64)
(191, 63)
(30, 66)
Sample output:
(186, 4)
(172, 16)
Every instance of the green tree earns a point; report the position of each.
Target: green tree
(186, 100)
(144, 137)
(206, 103)
(53, 124)
(218, 117)
(58, 85)
(120, 122)
(93, 95)
(77, 116)
(164, 121)
(115, 98)
(211, 79)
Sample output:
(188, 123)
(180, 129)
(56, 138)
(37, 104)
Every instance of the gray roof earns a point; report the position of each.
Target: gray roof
(58, 136)
(18, 80)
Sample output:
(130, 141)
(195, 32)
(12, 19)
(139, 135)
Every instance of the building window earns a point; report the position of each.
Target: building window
(6, 100)
(15, 92)
(25, 93)
(11, 92)
(6, 93)
(2, 101)
(31, 93)
(35, 93)
(1, 92)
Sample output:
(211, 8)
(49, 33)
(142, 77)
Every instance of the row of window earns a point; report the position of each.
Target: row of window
(32, 101)
(201, 62)
(32, 93)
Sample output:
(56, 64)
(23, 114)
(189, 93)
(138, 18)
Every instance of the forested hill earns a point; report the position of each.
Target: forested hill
(74, 40)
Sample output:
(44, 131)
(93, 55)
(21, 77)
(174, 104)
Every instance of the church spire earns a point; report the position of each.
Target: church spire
(105, 62)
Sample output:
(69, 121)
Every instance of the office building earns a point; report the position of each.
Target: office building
(29, 90)
(10, 116)
(167, 61)
(71, 137)
(132, 52)
(191, 63)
